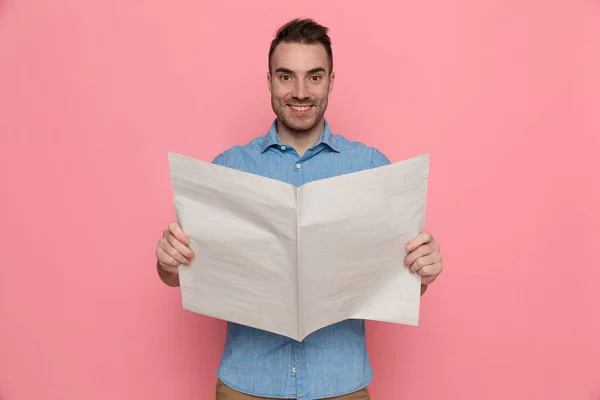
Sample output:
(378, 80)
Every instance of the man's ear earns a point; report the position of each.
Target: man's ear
(269, 80)
(331, 81)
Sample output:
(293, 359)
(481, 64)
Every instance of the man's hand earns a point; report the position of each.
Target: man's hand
(171, 252)
(424, 258)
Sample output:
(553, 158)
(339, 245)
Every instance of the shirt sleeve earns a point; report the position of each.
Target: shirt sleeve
(220, 159)
(378, 159)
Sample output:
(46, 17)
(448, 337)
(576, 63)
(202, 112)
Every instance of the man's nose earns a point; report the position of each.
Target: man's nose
(300, 91)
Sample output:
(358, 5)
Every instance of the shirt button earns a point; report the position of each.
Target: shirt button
(298, 166)
(282, 147)
(294, 369)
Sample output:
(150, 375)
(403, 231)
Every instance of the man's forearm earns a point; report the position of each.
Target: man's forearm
(170, 279)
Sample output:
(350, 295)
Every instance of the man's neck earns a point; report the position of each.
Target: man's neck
(300, 140)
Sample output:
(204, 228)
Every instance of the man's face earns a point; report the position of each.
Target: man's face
(300, 83)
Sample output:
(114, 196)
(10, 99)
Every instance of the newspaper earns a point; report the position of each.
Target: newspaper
(292, 260)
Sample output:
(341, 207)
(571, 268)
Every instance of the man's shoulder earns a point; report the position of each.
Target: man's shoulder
(376, 157)
(240, 150)
(344, 143)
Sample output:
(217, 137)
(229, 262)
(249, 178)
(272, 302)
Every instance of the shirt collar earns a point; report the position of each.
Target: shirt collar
(272, 138)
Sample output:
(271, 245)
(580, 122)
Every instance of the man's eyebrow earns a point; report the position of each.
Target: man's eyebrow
(289, 71)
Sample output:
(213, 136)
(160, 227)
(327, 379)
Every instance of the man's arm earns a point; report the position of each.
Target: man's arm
(169, 278)
(424, 258)
(171, 252)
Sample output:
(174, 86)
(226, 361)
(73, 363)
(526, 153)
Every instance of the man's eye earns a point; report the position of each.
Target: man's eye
(315, 78)
(285, 77)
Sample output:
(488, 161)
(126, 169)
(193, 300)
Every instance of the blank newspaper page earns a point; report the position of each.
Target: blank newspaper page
(243, 230)
(353, 230)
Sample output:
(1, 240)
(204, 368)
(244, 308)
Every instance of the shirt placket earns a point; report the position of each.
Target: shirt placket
(300, 371)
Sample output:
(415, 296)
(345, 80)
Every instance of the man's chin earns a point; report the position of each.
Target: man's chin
(299, 123)
(300, 127)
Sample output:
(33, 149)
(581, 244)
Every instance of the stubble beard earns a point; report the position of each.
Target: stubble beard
(299, 123)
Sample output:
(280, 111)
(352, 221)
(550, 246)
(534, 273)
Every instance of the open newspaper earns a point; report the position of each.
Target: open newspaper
(292, 260)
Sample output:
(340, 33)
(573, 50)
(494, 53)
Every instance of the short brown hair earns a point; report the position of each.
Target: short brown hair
(303, 31)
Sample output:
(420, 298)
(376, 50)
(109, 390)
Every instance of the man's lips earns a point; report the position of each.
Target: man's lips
(300, 110)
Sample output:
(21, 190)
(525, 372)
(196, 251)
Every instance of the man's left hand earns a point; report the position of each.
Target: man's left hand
(424, 258)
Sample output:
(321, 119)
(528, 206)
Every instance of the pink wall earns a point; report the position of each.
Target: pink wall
(504, 94)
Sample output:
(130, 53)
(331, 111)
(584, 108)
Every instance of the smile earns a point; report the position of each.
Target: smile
(300, 108)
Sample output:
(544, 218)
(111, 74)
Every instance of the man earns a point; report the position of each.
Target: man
(299, 147)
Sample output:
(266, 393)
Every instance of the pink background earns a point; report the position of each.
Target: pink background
(503, 94)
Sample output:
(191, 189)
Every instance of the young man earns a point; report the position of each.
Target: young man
(298, 148)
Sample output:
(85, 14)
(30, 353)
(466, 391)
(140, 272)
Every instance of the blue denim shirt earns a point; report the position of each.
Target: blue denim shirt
(333, 360)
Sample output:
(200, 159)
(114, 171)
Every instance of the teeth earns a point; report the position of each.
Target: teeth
(300, 108)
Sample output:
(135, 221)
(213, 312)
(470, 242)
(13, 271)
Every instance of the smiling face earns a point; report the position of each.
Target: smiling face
(300, 82)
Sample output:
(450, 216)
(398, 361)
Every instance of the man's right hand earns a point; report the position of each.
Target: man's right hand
(172, 251)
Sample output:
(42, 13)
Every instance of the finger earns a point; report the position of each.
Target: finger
(428, 280)
(178, 232)
(166, 262)
(431, 270)
(423, 262)
(168, 268)
(421, 251)
(179, 246)
(171, 251)
(419, 240)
